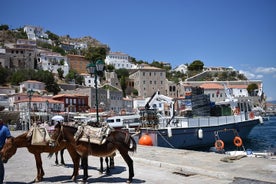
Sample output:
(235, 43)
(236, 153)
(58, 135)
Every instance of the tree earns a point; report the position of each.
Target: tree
(53, 37)
(60, 73)
(110, 68)
(73, 75)
(122, 72)
(40, 75)
(196, 65)
(70, 76)
(96, 53)
(122, 75)
(251, 88)
(20, 34)
(123, 85)
(4, 75)
(4, 27)
(58, 50)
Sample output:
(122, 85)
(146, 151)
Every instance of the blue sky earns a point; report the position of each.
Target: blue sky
(237, 33)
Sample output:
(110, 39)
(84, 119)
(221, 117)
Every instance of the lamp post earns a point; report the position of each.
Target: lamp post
(93, 69)
(30, 93)
(47, 106)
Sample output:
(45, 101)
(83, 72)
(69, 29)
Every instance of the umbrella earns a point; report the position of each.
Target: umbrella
(57, 118)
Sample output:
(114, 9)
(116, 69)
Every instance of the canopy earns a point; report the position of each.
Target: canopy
(58, 118)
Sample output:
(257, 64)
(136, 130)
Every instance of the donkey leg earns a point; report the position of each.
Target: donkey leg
(61, 157)
(129, 162)
(101, 165)
(112, 165)
(56, 154)
(84, 163)
(107, 165)
(40, 171)
(76, 161)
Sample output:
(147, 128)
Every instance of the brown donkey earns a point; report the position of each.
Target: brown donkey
(22, 141)
(117, 140)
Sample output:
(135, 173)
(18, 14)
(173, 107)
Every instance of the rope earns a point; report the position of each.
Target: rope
(165, 140)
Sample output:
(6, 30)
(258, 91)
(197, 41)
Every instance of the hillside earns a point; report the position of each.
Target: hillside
(92, 42)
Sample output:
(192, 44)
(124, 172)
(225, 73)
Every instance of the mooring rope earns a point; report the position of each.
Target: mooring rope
(165, 140)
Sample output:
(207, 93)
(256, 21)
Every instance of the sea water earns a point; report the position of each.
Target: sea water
(263, 137)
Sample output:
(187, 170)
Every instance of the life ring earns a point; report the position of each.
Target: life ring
(219, 144)
(237, 141)
(237, 111)
(251, 115)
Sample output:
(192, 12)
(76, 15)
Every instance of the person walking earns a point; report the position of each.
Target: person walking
(4, 134)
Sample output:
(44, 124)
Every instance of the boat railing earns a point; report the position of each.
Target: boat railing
(186, 122)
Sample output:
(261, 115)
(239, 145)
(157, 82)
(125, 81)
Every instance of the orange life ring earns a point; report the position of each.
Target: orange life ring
(237, 141)
(251, 115)
(219, 144)
(237, 111)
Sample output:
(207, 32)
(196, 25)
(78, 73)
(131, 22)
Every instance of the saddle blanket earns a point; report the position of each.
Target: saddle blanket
(93, 134)
(39, 135)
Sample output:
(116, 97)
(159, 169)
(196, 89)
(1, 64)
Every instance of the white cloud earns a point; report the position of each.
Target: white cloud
(250, 75)
(265, 70)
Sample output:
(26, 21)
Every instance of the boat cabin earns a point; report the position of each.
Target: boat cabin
(125, 121)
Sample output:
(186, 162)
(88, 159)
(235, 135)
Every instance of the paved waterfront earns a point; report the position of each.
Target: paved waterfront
(151, 165)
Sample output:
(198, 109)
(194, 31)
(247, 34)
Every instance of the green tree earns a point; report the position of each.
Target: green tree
(40, 75)
(58, 50)
(4, 75)
(135, 92)
(122, 75)
(44, 45)
(241, 77)
(4, 27)
(74, 76)
(96, 53)
(223, 76)
(79, 79)
(53, 37)
(110, 68)
(60, 73)
(251, 88)
(123, 85)
(122, 72)
(196, 65)
(20, 34)
(70, 76)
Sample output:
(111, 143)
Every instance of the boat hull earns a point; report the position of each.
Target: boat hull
(196, 137)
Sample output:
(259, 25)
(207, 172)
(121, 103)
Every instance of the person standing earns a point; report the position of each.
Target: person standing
(4, 134)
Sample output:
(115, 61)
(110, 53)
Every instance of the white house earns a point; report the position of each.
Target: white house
(52, 61)
(31, 84)
(181, 68)
(89, 80)
(119, 60)
(36, 33)
(238, 90)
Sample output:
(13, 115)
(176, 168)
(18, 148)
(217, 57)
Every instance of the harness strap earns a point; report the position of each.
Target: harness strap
(127, 137)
